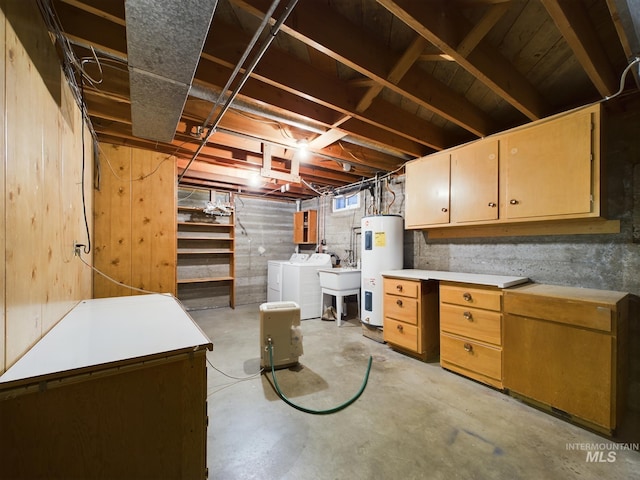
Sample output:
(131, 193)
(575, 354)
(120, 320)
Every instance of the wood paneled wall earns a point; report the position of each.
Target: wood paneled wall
(40, 185)
(135, 222)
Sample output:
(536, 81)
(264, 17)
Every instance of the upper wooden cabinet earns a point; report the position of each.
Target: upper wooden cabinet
(474, 182)
(549, 167)
(547, 170)
(427, 191)
(305, 227)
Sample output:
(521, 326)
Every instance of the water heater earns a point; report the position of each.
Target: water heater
(382, 243)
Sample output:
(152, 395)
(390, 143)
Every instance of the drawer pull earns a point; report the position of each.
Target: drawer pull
(444, 210)
(399, 302)
(399, 288)
(492, 204)
(400, 328)
(467, 297)
(513, 201)
(468, 347)
(468, 316)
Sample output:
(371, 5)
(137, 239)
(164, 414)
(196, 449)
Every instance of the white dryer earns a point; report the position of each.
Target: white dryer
(274, 275)
(301, 284)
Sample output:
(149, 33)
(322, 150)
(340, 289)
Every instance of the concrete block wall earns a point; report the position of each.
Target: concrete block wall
(264, 231)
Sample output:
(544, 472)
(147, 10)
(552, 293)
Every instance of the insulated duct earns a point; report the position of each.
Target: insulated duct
(164, 41)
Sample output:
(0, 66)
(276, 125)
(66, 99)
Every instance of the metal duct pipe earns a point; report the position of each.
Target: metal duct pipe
(164, 41)
(243, 80)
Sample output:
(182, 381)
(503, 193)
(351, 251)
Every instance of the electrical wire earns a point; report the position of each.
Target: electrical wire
(623, 78)
(87, 248)
(254, 375)
(342, 406)
(142, 177)
(99, 272)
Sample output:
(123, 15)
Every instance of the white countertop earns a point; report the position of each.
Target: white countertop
(107, 330)
(500, 281)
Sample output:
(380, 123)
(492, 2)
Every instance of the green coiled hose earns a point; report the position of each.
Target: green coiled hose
(308, 410)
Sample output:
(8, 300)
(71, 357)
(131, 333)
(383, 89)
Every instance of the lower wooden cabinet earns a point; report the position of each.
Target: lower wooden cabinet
(565, 349)
(411, 316)
(471, 331)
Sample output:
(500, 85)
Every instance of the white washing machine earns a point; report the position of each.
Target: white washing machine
(301, 284)
(274, 275)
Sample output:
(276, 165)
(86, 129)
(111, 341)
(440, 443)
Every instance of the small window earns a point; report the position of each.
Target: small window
(346, 202)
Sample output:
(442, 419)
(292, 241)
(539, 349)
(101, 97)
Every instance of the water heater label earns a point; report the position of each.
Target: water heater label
(380, 239)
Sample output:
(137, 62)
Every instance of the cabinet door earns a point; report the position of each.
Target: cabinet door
(427, 191)
(304, 227)
(549, 168)
(298, 227)
(561, 366)
(474, 182)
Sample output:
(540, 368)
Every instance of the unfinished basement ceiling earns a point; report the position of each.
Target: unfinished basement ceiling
(367, 84)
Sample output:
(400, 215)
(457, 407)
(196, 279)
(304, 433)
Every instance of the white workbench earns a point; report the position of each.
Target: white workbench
(500, 281)
(117, 389)
(110, 330)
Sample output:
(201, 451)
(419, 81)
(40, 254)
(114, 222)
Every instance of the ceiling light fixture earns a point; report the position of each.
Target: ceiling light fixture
(303, 148)
(255, 180)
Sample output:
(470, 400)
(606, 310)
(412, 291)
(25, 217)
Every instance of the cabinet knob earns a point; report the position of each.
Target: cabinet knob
(468, 316)
(399, 327)
(513, 201)
(399, 288)
(445, 209)
(468, 347)
(399, 302)
(467, 297)
(491, 204)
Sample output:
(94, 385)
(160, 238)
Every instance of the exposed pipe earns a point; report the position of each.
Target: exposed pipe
(252, 43)
(272, 34)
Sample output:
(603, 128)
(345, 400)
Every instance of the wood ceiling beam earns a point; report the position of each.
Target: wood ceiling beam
(294, 76)
(292, 101)
(350, 45)
(573, 22)
(482, 28)
(112, 11)
(446, 28)
(316, 169)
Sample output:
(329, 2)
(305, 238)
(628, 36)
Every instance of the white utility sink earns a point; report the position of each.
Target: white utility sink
(339, 278)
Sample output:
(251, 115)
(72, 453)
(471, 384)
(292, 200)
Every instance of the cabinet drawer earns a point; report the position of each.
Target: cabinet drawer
(401, 334)
(471, 297)
(476, 324)
(561, 310)
(401, 308)
(472, 356)
(405, 288)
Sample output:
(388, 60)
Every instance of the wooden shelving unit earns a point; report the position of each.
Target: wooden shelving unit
(305, 227)
(205, 255)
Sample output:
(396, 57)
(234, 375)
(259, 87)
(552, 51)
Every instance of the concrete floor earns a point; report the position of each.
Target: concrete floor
(413, 421)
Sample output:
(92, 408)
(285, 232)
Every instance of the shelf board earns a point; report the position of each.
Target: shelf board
(196, 251)
(207, 224)
(200, 237)
(204, 280)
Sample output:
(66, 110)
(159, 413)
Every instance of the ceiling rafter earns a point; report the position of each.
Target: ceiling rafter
(573, 22)
(446, 28)
(370, 84)
(397, 72)
(352, 47)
